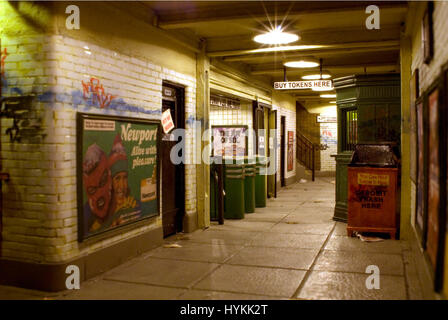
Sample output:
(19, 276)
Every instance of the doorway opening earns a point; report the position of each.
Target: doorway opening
(282, 150)
(173, 176)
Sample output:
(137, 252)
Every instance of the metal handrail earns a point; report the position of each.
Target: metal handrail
(305, 152)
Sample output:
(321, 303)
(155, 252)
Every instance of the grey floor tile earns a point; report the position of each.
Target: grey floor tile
(340, 229)
(154, 271)
(307, 228)
(345, 243)
(116, 290)
(356, 261)
(243, 225)
(253, 280)
(275, 240)
(293, 258)
(268, 217)
(270, 210)
(308, 217)
(219, 295)
(195, 251)
(14, 293)
(222, 236)
(323, 285)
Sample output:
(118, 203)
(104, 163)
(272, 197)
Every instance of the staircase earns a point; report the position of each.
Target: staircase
(305, 155)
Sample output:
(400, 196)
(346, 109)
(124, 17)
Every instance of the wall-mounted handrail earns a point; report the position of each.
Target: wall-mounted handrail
(306, 152)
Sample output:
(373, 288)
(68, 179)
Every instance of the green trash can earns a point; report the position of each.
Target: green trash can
(260, 183)
(249, 184)
(234, 191)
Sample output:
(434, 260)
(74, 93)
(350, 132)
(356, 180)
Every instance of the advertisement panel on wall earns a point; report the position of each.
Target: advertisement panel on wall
(290, 150)
(229, 141)
(117, 172)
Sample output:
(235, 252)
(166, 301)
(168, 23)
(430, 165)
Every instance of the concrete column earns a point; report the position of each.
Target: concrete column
(202, 115)
(405, 63)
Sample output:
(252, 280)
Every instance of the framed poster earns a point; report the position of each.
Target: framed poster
(117, 172)
(290, 150)
(229, 141)
(433, 175)
(413, 127)
(421, 199)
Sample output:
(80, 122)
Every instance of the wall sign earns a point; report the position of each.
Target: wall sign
(222, 102)
(167, 121)
(310, 84)
(116, 172)
(229, 141)
(290, 150)
(327, 119)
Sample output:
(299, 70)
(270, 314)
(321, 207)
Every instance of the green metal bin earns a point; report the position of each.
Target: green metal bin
(234, 191)
(249, 184)
(260, 183)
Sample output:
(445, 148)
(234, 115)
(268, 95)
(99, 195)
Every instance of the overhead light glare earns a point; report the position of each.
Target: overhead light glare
(322, 89)
(316, 76)
(276, 36)
(301, 64)
(328, 95)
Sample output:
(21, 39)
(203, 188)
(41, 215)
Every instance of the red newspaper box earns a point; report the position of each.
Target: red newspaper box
(372, 190)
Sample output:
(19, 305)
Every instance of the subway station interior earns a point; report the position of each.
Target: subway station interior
(223, 150)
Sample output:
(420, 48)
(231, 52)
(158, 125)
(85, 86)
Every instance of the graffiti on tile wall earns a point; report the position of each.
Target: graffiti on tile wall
(3, 55)
(94, 90)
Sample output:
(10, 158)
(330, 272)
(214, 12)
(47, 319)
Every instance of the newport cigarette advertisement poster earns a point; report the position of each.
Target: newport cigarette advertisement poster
(117, 172)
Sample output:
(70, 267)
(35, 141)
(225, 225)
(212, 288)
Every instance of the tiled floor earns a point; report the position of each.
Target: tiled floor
(292, 249)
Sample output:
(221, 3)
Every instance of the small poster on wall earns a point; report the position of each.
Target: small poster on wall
(117, 172)
(229, 141)
(419, 218)
(290, 150)
(433, 177)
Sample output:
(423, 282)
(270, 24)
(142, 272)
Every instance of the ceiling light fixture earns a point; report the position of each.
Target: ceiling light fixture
(302, 63)
(328, 95)
(322, 88)
(276, 36)
(316, 76)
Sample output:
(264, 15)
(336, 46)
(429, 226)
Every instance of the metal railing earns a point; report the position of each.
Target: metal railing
(306, 152)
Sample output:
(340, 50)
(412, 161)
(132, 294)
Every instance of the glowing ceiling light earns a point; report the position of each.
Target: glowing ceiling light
(305, 63)
(322, 89)
(332, 101)
(316, 76)
(276, 36)
(328, 95)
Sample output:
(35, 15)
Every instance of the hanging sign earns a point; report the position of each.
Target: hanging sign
(229, 141)
(222, 102)
(117, 172)
(167, 121)
(308, 84)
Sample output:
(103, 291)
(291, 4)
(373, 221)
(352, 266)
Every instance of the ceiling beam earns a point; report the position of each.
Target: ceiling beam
(298, 48)
(330, 68)
(183, 18)
(260, 58)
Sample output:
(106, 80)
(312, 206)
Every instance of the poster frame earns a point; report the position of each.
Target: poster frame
(421, 169)
(290, 164)
(82, 238)
(246, 152)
